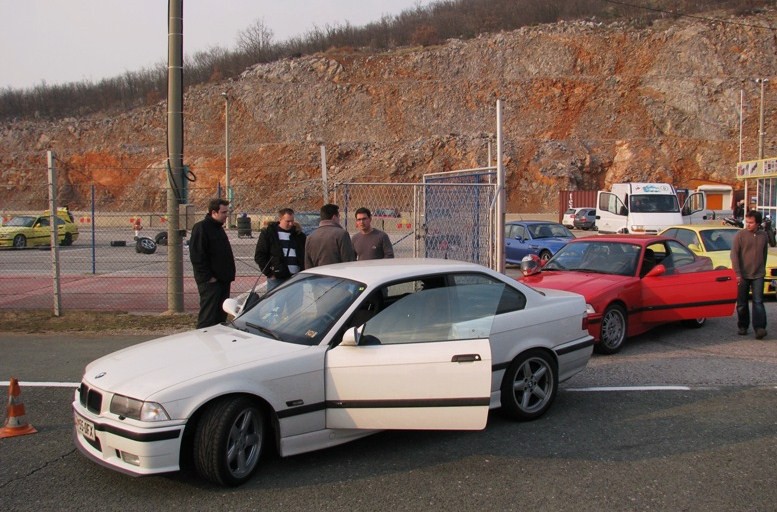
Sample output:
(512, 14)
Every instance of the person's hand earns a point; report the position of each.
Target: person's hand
(213, 280)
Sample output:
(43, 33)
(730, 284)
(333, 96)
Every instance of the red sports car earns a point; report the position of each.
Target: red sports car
(633, 283)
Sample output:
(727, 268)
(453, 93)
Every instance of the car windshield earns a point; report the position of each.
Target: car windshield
(594, 256)
(21, 222)
(718, 239)
(302, 310)
(307, 220)
(657, 203)
(549, 230)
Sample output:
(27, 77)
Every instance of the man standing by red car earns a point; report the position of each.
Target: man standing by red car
(748, 259)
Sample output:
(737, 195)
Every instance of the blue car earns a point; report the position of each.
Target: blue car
(538, 237)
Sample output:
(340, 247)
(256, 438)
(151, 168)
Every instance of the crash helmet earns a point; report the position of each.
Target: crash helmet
(531, 264)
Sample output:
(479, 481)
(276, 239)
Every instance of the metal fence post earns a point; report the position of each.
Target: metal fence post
(54, 228)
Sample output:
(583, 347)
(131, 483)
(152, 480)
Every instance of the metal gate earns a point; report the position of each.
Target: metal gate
(450, 215)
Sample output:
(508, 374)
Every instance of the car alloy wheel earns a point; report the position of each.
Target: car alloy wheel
(613, 330)
(545, 256)
(228, 441)
(695, 323)
(529, 385)
(145, 245)
(20, 241)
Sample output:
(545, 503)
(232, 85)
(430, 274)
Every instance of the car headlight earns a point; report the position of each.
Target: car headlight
(137, 409)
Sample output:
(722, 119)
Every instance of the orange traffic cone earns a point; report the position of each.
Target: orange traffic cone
(15, 424)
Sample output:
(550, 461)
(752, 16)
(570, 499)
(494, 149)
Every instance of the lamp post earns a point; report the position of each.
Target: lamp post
(761, 81)
(228, 193)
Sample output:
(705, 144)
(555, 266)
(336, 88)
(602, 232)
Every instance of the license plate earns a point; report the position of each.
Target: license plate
(85, 427)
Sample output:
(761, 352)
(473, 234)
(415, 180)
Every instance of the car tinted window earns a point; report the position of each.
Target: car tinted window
(511, 300)
(680, 254)
(718, 239)
(436, 313)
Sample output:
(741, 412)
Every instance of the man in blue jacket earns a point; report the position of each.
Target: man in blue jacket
(213, 263)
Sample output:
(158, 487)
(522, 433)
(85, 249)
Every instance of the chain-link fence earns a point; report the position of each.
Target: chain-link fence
(450, 215)
(106, 267)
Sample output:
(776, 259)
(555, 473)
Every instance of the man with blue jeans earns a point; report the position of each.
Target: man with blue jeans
(748, 259)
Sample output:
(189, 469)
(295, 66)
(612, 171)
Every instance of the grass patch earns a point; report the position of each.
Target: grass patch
(38, 321)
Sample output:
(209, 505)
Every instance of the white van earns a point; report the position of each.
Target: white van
(643, 208)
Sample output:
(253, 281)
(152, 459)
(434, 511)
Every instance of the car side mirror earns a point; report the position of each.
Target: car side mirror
(656, 271)
(231, 306)
(694, 247)
(351, 337)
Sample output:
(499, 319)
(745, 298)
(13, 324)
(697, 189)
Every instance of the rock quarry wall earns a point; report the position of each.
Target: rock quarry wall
(585, 104)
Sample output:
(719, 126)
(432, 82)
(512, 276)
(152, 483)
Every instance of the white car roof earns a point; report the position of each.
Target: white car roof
(371, 272)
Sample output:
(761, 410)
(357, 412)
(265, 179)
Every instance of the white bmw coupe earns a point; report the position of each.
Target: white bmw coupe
(336, 353)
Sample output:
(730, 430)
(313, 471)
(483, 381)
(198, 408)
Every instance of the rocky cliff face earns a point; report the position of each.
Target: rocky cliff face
(584, 105)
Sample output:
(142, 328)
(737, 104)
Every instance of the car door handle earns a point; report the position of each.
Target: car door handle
(466, 358)
(723, 278)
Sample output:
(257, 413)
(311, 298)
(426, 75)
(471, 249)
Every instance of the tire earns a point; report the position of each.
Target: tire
(68, 240)
(545, 256)
(614, 329)
(529, 385)
(695, 323)
(228, 441)
(145, 245)
(161, 238)
(20, 241)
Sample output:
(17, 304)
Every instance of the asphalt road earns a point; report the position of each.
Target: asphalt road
(679, 420)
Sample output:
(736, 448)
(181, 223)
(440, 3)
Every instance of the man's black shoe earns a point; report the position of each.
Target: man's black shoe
(742, 332)
(760, 334)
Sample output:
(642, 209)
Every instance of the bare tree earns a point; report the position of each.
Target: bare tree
(255, 40)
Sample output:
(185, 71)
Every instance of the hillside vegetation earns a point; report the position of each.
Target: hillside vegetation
(586, 103)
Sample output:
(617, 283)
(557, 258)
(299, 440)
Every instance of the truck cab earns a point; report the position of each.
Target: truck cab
(643, 208)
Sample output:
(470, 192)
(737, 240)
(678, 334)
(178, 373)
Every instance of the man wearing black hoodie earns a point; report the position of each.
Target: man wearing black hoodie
(213, 263)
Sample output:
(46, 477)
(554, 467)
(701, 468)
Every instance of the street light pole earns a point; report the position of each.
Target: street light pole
(228, 193)
(761, 81)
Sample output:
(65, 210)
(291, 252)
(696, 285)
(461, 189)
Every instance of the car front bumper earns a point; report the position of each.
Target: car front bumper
(126, 448)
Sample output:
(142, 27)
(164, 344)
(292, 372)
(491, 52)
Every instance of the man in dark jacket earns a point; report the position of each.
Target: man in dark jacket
(329, 243)
(213, 263)
(280, 250)
(748, 259)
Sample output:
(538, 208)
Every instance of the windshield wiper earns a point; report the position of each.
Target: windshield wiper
(263, 330)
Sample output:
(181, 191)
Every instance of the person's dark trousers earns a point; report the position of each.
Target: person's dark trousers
(212, 296)
(759, 312)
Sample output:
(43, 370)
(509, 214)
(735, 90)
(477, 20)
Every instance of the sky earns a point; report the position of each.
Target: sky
(61, 41)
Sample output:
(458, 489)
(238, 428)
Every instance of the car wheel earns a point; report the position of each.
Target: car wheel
(529, 385)
(68, 240)
(161, 238)
(20, 241)
(613, 330)
(695, 323)
(145, 245)
(545, 256)
(228, 441)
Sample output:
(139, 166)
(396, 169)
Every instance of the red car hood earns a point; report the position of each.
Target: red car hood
(588, 284)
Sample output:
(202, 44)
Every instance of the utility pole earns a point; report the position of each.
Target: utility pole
(761, 81)
(228, 193)
(174, 169)
(50, 156)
